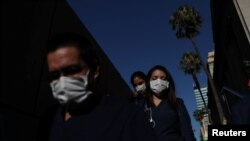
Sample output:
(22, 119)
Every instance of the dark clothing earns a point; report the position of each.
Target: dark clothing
(140, 101)
(111, 120)
(185, 121)
(168, 125)
(137, 99)
(166, 122)
(1, 127)
(241, 112)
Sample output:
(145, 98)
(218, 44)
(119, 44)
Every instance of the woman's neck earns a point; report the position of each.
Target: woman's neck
(156, 100)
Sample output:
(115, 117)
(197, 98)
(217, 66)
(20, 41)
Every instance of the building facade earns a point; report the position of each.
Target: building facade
(230, 24)
(198, 99)
(205, 121)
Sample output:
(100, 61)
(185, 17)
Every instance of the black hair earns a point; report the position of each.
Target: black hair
(83, 45)
(170, 94)
(139, 74)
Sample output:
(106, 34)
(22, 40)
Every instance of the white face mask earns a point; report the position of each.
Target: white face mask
(68, 89)
(159, 85)
(140, 88)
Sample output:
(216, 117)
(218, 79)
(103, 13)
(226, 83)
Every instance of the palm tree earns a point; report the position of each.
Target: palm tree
(198, 115)
(186, 21)
(190, 64)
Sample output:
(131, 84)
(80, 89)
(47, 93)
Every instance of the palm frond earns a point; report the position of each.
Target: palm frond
(186, 21)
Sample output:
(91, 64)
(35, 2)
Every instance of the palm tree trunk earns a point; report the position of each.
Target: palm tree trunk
(199, 88)
(214, 91)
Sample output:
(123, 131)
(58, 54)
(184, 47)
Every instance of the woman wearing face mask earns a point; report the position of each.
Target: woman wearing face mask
(138, 80)
(167, 114)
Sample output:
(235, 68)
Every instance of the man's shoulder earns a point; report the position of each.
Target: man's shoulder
(114, 99)
(118, 102)
(120, 106)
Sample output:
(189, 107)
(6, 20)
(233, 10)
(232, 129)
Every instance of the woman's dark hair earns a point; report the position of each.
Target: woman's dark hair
(139, 74)
(169, 94)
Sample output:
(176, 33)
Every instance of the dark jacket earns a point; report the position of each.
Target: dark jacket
(185, 121)
(112, 119)
(171, 124)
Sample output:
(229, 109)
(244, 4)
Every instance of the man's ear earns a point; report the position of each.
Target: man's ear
(97, 72)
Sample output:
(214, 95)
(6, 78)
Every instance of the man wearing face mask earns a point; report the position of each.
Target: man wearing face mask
(86, 113)
(167, 114)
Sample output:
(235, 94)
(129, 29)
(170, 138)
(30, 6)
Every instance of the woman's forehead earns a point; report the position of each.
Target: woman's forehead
(158, 72)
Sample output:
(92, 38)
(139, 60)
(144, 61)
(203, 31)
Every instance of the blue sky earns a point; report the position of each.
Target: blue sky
(136, 35)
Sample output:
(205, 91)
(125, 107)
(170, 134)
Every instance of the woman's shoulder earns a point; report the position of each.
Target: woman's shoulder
(179, 100)
(181, 103)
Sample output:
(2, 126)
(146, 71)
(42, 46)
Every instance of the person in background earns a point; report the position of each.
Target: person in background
(85, 112)
(138, 81)
(167, 114)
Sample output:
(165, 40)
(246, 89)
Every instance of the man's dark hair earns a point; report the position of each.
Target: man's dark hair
(83, 45)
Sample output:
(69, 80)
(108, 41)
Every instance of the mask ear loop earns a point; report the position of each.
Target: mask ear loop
(87, 73)
(86, 78)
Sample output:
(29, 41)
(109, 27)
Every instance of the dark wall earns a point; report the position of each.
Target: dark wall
(26, 27)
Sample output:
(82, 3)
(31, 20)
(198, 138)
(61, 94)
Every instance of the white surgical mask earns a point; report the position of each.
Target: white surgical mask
(70, 89)
(140, 88)
(158, 85)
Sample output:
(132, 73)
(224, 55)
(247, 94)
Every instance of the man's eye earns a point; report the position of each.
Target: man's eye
(72, 70)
